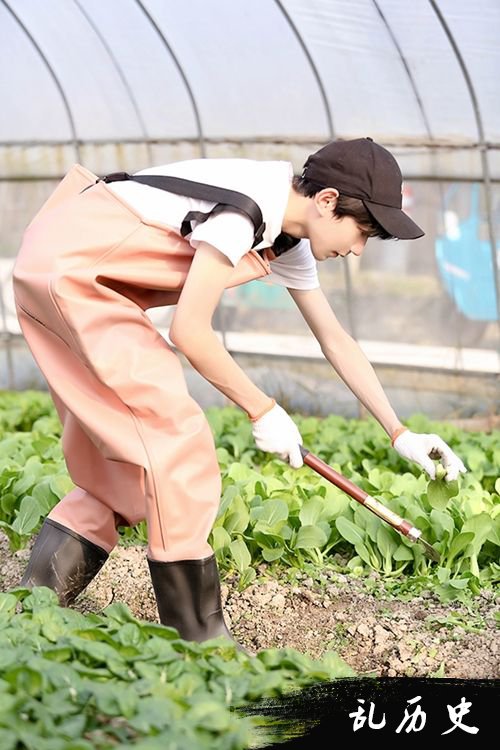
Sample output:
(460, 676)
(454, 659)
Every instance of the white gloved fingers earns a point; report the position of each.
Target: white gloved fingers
(436, 447)
(296, 459)
(428, 465)
(453, 465)
(421, 448)
(276, 432)
(455, 470)
(451, 462)
(416, 447)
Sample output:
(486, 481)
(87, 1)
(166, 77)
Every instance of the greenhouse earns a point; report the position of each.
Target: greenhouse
(425, 311)
(352, 560)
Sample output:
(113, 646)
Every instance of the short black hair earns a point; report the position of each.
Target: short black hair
(345, 206)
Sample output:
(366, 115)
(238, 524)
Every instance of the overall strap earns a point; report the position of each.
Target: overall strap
(223, 197)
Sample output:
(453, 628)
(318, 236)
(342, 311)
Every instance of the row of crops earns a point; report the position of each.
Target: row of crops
(109, 680)
(272, 513)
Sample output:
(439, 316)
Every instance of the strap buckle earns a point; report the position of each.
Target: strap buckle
(117, 177)
(259, 234)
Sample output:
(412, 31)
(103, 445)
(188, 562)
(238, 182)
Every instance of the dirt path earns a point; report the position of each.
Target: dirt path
(372, 633)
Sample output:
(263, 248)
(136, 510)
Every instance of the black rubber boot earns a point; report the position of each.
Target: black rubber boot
(63, 560)
(188, 598)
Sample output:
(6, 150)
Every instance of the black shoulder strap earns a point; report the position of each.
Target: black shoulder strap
(223, 197)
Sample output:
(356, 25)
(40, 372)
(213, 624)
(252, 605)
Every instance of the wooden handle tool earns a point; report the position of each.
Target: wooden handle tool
(398, 523)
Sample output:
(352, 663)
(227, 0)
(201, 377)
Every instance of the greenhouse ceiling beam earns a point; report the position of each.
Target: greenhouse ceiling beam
(420, 105)
(53, 75)
(483, 149)
(331, 136)
(412, 145)
(120, 72)
(417, 178)
(201, 139)
(407, 69)
(314, 69)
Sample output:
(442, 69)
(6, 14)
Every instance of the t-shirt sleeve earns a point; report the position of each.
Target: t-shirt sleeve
(230, 232)
(296, 268)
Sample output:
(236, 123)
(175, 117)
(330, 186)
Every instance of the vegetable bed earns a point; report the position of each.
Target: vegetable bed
(114, 679)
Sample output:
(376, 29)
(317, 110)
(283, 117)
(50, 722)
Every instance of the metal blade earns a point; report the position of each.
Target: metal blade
(429, 550)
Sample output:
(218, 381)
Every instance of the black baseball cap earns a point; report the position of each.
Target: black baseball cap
(363, 169)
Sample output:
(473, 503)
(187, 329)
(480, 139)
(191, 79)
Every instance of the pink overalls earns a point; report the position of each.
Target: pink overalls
(136, 444)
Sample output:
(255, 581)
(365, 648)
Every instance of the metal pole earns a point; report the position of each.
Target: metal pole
(483, 150)
(54, 77)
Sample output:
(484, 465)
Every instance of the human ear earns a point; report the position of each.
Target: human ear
(326, 200)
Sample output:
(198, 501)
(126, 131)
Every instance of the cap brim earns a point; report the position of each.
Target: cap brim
(395, 221)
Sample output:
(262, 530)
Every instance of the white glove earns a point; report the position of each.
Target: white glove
(421, 447)
(276, 432)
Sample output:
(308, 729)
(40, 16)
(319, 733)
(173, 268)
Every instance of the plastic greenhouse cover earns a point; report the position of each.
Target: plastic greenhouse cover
(294, 71)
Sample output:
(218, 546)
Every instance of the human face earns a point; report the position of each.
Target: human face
(333, 236)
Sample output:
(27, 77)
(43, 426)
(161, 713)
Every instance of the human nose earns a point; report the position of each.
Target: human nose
(358, 248)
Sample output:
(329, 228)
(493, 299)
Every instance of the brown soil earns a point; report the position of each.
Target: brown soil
(375, 635)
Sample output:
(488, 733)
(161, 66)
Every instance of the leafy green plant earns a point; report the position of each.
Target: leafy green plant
(19, 411)
(91, 682)
(294, 516)
(272, 514)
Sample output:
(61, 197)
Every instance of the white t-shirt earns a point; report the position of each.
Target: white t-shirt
(231, 232)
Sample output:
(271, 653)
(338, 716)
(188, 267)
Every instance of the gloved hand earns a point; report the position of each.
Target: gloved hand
(422, 447)
(276, 432)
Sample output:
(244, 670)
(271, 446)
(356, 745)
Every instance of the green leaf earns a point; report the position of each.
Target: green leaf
(220, 538)
(53, 629)
(61, 485)
(438, 493)
(475, 459)
(480, 525)
(266, 537)
(274, 512)
(44, 496)
(494, 534)
(236, 522)
(210, 715)
(9, 657)
(272, 553)
(119, 612)
(8, 603)
(335, 501)
(458, 544)
(459, 583)
(129, 635)
(403, 553)
(364, 553)
(7, 503)
(238, 472)
(32, 471)
(442, 523)
(240, 554)
(247, 577)
(386, 542)
(310, 536)
(440, 472)
(453, 488)
(311, 511)
(349, 530)
(260, 489)
(28, 516)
